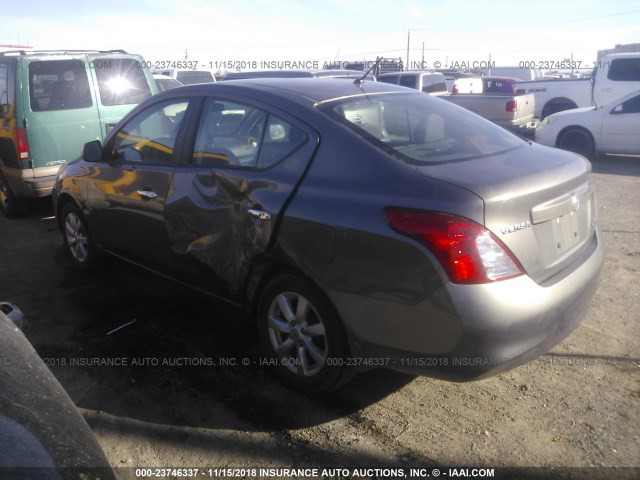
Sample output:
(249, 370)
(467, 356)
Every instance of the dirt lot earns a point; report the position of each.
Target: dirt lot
(578, 406)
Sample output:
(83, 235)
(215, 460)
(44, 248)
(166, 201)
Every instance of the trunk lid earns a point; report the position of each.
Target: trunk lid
(537, 200)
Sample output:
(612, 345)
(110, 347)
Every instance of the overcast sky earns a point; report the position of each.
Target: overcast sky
(216, 32)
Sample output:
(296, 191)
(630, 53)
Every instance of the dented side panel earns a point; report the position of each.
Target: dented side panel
(212, 216)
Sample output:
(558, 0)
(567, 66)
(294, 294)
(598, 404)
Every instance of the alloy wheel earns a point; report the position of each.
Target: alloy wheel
(297, 334)
(76, 236)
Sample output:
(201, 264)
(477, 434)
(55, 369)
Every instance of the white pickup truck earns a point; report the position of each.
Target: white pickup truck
(433, 83)
(507, 110)
(614, 75)
(511, 111)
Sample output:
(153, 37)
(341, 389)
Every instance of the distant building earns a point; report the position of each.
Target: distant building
(619, 48)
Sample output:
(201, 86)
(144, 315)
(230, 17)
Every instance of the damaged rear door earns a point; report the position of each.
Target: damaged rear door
(224, 206)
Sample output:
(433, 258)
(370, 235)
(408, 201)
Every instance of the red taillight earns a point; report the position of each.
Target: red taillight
(512, 106)
(22, 144)
(467, 251)
(454, 90)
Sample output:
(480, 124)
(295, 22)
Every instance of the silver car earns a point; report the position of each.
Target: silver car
(363, 224)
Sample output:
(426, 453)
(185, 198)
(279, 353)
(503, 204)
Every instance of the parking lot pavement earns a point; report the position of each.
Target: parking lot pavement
(170, 387)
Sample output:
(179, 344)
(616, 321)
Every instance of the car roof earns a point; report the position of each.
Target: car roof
(64, 54)
(315, 90)
(410, 72)
(291, 73)
(502, 79)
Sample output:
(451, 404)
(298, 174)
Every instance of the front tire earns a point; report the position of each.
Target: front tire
(77, 238)
(577, 140)
(11, 205)
(302, 335)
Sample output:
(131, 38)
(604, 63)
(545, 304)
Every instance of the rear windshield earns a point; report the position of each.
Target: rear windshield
(624, 70)
(121, 81)
(498, 86)
(420, 128)
(190, 77)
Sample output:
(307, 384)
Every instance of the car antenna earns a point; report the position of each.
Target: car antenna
(360, 80)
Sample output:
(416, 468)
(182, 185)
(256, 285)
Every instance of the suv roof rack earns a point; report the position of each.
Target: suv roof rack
(53, 52)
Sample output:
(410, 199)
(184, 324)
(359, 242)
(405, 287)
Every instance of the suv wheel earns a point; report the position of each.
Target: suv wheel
(11, 205)
(302, 335)
(83, 249)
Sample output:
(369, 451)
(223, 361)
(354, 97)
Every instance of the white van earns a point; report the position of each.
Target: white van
(432, 83)
(187, 77)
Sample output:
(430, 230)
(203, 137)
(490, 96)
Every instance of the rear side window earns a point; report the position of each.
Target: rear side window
(7, 85)
(58, 85)
(630, 106)
(121, 81)
(390, 79)
(238, 135)
(624, 70)
(408, 81)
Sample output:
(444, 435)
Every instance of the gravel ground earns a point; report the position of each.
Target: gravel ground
(177, 404)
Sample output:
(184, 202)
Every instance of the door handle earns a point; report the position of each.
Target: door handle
(148, 194)
(261, 214)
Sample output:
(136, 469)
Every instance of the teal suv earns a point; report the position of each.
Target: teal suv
(52, 103)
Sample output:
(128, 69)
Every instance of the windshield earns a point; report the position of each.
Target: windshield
(420, 128)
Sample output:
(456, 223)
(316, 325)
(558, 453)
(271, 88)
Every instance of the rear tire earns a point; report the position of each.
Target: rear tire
(84, 252)
(579, 141)
(11, 205)
(302, 335)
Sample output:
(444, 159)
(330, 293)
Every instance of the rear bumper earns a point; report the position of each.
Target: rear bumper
(470, 332)
(37, 182)
(526, 126)
(40, 187)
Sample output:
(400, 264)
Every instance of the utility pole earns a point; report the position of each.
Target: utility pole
(408, 37)
(422, 64)
(571, 64)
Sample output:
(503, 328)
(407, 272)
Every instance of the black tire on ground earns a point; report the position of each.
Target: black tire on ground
(577, 140)
(302, 335)
(84, 252)
(11, 205)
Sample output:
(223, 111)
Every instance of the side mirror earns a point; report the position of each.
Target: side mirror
(92, 151)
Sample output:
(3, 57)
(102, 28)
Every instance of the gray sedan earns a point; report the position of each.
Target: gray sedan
(363, 225)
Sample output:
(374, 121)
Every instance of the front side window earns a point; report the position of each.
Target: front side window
(121, 81)
(420, 129)
(151, 136)
(58, 85)
(237, 135)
